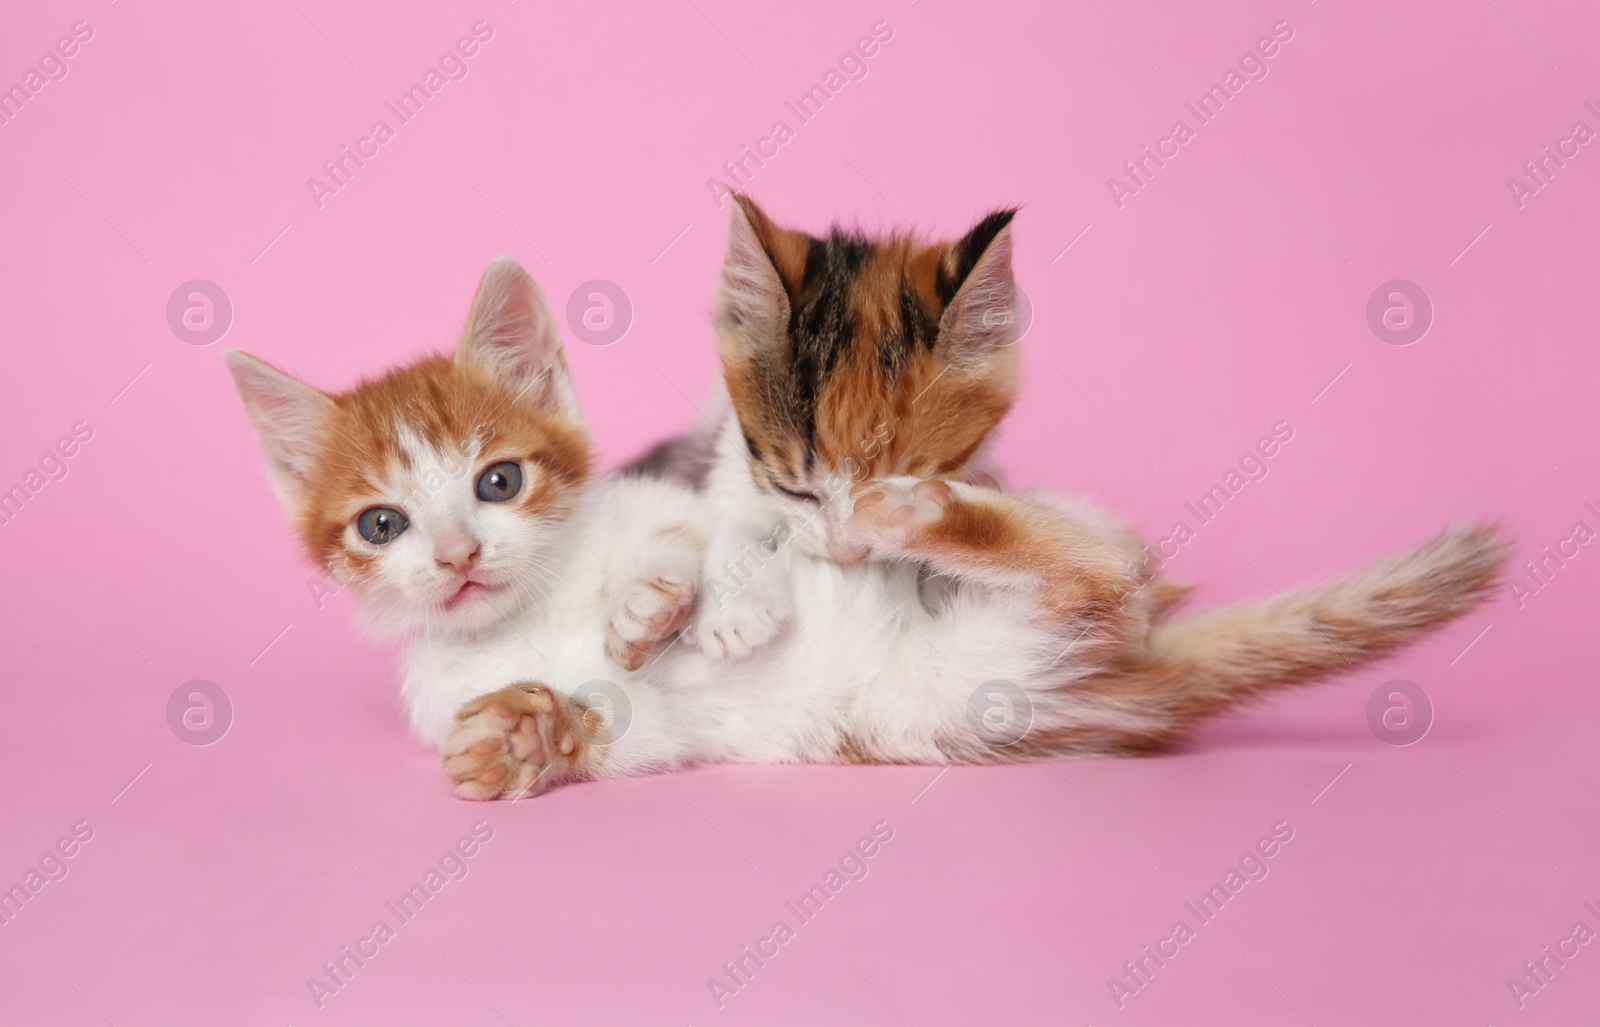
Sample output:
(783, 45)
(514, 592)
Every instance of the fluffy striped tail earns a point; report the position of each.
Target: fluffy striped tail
(1196, 666)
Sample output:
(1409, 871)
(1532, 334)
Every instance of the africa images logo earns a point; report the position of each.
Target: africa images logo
(1254, 66)
(738, 972)
(452, 67)
(1253, 866)
(53, 66)
(451, 867)
(852, 67)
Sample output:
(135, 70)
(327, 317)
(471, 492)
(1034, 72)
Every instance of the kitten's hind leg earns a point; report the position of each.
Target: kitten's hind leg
(520, 741)
(1068, 569)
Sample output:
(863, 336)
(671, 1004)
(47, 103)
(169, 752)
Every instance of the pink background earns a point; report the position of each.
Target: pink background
(1224, 297)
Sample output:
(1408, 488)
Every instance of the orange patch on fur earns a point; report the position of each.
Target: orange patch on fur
(1010, 538)
(786, 247)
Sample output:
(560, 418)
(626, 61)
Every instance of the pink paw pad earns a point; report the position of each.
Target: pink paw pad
(651, 611)
(507, 746)
(884, 509)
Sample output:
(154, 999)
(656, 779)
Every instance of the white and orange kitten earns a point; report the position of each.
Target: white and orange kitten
(454, 496)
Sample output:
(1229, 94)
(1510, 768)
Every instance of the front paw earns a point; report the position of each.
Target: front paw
(732, 625)
(890, 511)
(651, 610)
(517, 742)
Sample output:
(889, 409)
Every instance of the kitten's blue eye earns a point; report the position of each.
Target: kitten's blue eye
(500, 482)
(381, 525)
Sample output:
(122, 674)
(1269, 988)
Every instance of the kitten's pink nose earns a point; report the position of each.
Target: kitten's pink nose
(460, 554)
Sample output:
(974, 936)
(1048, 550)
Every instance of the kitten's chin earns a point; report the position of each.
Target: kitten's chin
(471, 618)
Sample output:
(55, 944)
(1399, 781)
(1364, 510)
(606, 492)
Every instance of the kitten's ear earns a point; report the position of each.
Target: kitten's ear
(762, 267)
(288, 417)
(512, 334)
(978, 288)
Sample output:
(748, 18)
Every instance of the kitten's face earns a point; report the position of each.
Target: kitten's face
(850, 359)
(436, 491)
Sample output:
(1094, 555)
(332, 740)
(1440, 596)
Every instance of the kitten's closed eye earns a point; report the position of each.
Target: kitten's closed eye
(381, 525)
(809, 497)
(500, 482)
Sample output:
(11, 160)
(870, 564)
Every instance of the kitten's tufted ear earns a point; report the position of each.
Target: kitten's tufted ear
(761, 273)
(512, 334)
(978, 289)
(288, 417)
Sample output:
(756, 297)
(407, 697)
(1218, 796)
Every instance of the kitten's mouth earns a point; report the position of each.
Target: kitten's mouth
(469, 591)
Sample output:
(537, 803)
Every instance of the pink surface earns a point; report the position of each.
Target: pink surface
(1227, 294)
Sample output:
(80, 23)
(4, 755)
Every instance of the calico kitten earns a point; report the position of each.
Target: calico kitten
(861, 371)
(844, 359)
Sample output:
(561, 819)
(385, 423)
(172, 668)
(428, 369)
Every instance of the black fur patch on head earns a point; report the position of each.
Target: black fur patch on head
(821, 324)
(909, 327)
(964, 256)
